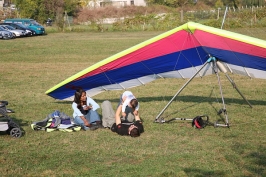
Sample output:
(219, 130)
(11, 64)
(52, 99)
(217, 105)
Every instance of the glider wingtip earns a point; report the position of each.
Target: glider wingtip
(47, 92)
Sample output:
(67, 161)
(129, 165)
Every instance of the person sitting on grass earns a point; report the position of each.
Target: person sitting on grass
(129, 101)
(85, 113)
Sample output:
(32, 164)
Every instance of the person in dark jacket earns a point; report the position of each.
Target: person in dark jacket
(133, 129)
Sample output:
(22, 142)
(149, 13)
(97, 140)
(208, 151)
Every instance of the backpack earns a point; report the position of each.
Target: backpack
(108, 114)
(56, 121)
(199, 123)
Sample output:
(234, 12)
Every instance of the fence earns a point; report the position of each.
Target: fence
(244, 17)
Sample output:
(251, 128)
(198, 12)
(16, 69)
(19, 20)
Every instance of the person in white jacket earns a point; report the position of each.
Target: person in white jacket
(128, 100)
(85, 113)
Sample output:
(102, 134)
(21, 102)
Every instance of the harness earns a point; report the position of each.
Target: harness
(199, 122)
(56, 121)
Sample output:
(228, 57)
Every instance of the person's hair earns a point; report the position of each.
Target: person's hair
(134, 103)
(134, 132)
(77, 97)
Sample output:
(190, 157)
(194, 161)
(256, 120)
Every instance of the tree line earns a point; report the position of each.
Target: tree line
(41, 10)
(211, 3)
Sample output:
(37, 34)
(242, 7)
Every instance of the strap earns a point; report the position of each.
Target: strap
(36, 127)
(48, 129)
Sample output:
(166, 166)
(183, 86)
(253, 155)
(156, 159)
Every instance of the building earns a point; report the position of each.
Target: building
(4, 3)
(1, 4)
(116, 3)
(122, 3)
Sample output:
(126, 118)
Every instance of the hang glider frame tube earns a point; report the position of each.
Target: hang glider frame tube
(222, 110)
(162, 120)
(221, 67)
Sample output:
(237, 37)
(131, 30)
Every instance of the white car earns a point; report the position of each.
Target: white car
(4, 34)
(17, 32)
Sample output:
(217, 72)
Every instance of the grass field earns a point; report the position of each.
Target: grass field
(30, 66)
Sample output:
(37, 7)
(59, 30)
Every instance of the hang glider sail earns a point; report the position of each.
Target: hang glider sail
(178, 53)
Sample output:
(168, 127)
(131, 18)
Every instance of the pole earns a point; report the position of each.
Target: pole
(226, 9)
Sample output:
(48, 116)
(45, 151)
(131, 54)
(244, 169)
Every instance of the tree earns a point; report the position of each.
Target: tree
(28, 8)
(41, 10)
(219, 4)
(234, 3)
(72, 7)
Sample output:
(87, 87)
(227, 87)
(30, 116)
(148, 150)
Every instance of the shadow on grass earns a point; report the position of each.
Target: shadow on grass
(189, 99)
(202, 173)
(259, 162)
(255, 161)
(195, 99)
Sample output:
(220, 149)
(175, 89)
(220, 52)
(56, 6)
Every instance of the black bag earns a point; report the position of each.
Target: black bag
(114, 128)
(198, 122)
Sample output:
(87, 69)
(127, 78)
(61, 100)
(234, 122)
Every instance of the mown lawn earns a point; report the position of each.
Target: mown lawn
(30, 66)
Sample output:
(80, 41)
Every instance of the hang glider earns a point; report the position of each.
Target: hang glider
(178, 53)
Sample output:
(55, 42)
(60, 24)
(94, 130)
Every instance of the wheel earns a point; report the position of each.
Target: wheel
(15, 132)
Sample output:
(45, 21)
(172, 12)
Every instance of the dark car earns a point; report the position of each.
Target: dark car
(29, 32)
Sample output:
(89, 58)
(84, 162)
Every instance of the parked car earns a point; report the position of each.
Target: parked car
(4, 34)
(18, 33)
(30, 23)
(29, 32)
(26, 27)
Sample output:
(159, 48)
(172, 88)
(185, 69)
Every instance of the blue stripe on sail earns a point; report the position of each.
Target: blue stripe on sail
(239, 59)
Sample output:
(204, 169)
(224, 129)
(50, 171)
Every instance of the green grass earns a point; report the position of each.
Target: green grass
(30, 66)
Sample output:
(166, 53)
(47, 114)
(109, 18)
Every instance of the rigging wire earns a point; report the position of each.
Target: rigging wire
(177, 60)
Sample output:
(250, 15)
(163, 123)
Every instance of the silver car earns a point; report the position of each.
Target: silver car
(4, 34)
(17, 32)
